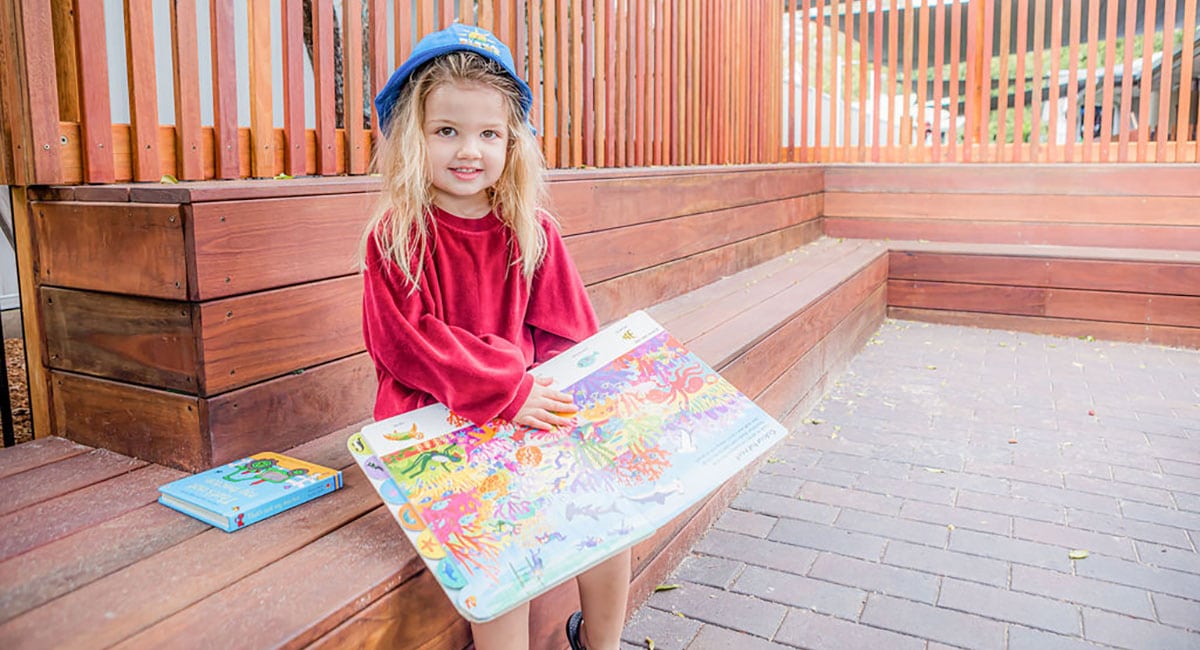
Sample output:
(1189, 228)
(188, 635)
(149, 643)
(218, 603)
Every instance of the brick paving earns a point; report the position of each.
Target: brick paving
(932, 498)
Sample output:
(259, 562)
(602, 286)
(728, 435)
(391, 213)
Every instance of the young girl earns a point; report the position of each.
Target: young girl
(467, 283)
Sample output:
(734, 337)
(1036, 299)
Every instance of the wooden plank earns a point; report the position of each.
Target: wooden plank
(697, 311)
(1135, 333)
(319, 399)
(1035, 109)
(615, 298)
(924, 118)
(826, 357)
(939, 62)
(1053, 149)
(893, 44)
(1002, 93)
(611, 253)
(28, 84)
(1111, 254)
(1166, 77)
(250, 338)
(55, 569)
(117, 247)
(238, 246)
(1018, 150)
(156, 425)
(1100, 275)
(357, 145)
(53, 519)
(95, 116)
(588, 206)
(383, 560)
(323, 81)
(580, 125)
(378, 48)
(262, 120)
(1151, 210)
(141, 340)
(224, 85)
(292, 19)
(1177, 311)
(826, 301)
(1150, 27)
(551, 103)
(36, 453)
(27, 238)
(429, 621)
(1131, 20)
(143, 91)
(1017, 232)
(1073, 123)
(1106, 110)
(185, 57)
(47, 482)
(1183, 121)
(209, 191)
(1096, 180)
(186, 573)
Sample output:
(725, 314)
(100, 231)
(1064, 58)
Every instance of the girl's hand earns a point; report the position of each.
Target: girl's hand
(543, 406)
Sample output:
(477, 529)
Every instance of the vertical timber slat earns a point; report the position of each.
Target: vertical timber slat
(292, 29)
(95, 115)
(262, 122)
(143, 92)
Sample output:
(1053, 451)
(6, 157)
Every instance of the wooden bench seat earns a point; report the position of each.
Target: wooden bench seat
(95, 562)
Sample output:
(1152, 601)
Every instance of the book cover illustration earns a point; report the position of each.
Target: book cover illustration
(517, 510)
(250, 489)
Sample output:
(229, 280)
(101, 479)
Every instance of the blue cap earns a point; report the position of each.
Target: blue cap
(456, 37)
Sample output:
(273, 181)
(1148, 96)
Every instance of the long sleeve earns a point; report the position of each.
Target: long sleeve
(478, 376)
(560, 313)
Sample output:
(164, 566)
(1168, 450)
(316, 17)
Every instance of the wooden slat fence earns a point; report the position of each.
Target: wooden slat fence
(617, 82)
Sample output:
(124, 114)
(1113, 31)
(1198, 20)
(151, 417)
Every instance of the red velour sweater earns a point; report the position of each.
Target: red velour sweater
(470, 332)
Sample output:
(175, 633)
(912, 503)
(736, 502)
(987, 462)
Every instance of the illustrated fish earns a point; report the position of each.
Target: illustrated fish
(592, 512)
(657, 496)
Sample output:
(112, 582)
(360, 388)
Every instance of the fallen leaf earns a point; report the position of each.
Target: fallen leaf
(1012, 441)
(950, 526)
(934, 470)
(814, 421)
(665, 588)
(1002, 344)
(931, 367)
(650, 643)
(679, 614)
(774, 460)
(283, 177)
(1077, 554)
(167, 178)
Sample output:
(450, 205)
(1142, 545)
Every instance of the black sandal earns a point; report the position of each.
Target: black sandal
(574, 622)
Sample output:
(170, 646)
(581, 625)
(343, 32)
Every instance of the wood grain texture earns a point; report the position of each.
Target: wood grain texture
(617, 297)
(69, 562)
(184, 574)
(1130, 210)
(1004, 179)
(1097, 274)
(116, 247)
(47, 482)
(611, 253)
(52, 519)
(242, 246)
(36, 453)
(302, 594)
(1186, 337)
(246, 339)
(1017, 232)
(139, 340)
(415, 615)
(143, 91)
(141, 422)
(95, 116)
(292, 409)
(1113, 306)
(587, 205)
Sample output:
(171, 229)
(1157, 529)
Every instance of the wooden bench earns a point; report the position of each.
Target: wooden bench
(731, 260)
(731, 265)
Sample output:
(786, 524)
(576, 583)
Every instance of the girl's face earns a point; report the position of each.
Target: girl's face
(466, 136)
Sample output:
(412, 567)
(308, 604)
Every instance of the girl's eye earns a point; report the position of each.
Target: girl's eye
(446, 131)
(490, 135)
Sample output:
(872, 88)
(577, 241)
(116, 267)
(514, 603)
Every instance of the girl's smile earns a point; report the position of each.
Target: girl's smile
(466, 137)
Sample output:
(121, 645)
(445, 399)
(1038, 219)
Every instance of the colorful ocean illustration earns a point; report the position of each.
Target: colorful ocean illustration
(516, 510)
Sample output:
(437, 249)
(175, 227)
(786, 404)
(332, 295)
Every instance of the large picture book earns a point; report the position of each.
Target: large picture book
(501, 513)
(251, 489)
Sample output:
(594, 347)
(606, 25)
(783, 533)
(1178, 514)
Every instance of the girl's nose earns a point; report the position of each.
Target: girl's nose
(469, 149)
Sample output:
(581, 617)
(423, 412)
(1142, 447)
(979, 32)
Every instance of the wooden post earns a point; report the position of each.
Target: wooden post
(262, 120)
(39, 378)
(29, 101)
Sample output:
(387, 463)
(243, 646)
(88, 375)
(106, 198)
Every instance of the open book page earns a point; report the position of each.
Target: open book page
(502, 513)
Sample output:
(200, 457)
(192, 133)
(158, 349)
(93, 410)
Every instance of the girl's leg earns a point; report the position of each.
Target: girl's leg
(603, 592)
(508, 631)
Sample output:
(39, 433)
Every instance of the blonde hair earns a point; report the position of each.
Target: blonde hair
(400, 222)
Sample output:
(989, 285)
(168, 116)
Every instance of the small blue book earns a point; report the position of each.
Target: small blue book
(240, 493)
